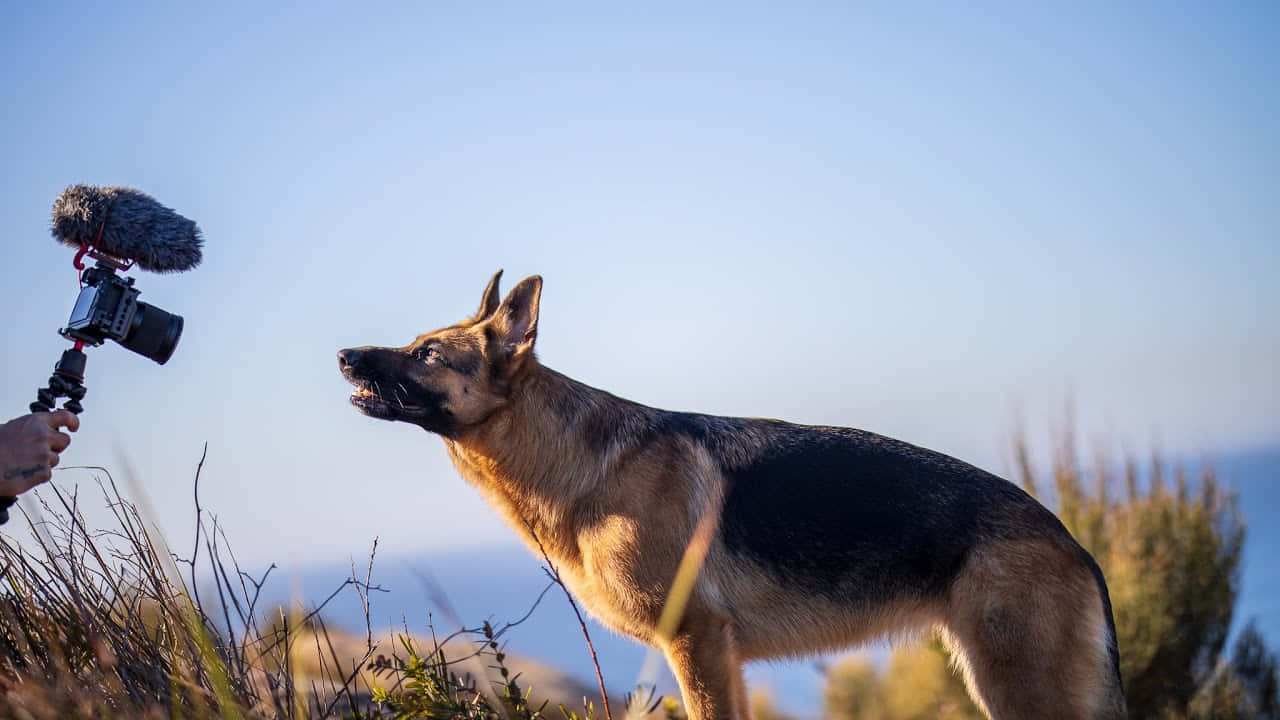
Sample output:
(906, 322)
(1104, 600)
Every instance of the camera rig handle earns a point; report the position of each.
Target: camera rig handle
(66, 381)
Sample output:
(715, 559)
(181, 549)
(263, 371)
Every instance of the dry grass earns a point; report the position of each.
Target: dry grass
(109, 623)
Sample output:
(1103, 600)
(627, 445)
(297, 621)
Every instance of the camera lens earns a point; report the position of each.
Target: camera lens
(154, 333)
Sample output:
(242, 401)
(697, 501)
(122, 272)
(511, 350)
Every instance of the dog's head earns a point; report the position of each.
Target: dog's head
(454, 378)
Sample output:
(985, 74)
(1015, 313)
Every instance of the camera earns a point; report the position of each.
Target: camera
(108, 309)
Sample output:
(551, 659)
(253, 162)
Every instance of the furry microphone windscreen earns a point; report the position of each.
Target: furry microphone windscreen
(128, 224)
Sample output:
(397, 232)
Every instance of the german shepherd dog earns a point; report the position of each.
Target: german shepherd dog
(825, 537)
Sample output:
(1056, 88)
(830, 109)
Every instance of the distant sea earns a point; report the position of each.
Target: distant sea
(501, 583)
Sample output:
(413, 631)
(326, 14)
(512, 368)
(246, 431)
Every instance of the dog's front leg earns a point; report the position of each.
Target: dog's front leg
(703, 658)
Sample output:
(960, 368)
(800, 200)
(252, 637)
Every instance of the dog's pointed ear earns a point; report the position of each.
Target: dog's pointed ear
(489, 301)
(515, 322)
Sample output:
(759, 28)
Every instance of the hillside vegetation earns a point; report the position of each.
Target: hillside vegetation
(110, 623)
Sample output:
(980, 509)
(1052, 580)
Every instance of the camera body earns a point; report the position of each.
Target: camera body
(108, 309)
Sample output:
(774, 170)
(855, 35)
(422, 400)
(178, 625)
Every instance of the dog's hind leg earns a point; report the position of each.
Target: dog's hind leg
(1030, 631)
(704, 660)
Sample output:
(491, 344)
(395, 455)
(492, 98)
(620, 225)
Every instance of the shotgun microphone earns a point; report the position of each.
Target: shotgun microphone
(126, 224)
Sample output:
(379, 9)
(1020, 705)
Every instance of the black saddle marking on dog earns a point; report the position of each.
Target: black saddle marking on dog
(854, 515)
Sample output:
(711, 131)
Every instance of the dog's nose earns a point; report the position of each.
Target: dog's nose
(349, 358)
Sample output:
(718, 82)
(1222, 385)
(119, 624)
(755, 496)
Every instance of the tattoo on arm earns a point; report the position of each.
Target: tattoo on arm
(24, 473)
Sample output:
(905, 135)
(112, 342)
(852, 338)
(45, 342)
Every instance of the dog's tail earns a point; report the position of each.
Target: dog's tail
(1112, 704)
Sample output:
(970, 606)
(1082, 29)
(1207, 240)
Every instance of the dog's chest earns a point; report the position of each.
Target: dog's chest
(603, 561)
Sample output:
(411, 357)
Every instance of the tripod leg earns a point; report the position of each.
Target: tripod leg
(67, 381)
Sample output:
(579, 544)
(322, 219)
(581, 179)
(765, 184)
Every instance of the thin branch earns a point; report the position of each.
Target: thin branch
(554, 573)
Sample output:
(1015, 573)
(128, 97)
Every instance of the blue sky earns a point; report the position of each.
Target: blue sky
(921, 220)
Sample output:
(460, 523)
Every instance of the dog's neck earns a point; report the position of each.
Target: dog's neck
(530, 457)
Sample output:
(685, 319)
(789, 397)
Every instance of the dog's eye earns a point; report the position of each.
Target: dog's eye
(428, 355)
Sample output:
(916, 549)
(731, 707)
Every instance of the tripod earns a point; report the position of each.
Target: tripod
(66, 381)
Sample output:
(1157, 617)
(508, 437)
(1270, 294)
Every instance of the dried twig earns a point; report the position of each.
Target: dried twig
(554, 573)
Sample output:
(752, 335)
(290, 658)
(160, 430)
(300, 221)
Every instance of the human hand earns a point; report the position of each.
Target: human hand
(29, 448)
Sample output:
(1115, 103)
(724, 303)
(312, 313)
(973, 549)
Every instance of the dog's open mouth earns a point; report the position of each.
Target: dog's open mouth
(365, 399)
(371, 401)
